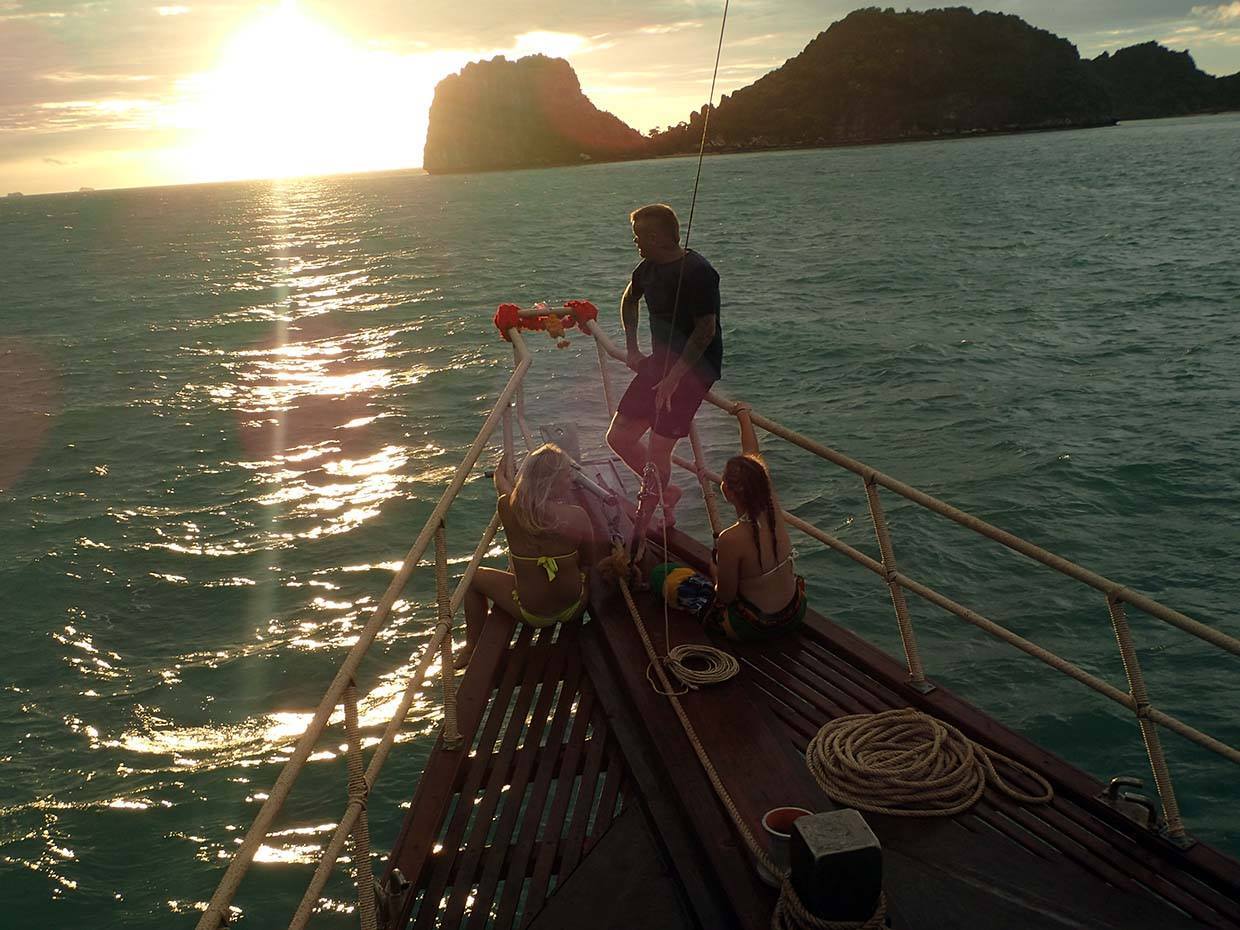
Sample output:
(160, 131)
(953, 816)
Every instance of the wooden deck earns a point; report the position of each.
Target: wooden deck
(581, 802)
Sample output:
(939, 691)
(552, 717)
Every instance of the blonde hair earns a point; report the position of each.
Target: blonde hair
(661, 215)
(531, 494)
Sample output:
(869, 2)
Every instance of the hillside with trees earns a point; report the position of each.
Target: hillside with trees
(878, 75)
(874, 76)
(1148, 80)
(520, 114)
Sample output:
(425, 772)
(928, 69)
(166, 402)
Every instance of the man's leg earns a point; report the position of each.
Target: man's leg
(625, 436)
(661, 448)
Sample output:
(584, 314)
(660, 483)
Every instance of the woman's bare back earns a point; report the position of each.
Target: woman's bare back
(537, 593)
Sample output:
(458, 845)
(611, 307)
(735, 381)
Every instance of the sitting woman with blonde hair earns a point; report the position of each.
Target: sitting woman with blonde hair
(545, 535)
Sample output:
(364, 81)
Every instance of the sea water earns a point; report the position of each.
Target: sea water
(228, 409)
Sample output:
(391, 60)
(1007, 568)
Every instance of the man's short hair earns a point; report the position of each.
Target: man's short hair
(661, 215)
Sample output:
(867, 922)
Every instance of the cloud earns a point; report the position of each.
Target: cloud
(79, 77)
(54, 161)
(1224, 13)
(7, 17)
(172, 10)
(668, 28)
(556, 44)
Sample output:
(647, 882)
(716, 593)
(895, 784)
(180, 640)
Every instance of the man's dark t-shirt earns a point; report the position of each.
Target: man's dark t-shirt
(699, 296)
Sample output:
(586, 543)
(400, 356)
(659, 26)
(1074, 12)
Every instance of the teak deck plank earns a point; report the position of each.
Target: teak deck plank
(481, 812)
(574, 842)
(627, 885)
(545, 860)
(609, 796)
(435, 789)
(747, 897)
(515, 782)
(678, 835)
(550, 763)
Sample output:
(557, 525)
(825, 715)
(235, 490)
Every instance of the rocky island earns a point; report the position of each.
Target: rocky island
(521, 114)
(874, 76)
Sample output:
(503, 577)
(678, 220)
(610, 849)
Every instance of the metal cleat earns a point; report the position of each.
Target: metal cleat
(390, 899)
(1138, 808)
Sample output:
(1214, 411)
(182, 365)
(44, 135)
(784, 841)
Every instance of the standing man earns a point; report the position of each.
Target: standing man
(682, 300)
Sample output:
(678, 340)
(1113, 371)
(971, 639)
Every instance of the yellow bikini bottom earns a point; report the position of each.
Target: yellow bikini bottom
(537, 621)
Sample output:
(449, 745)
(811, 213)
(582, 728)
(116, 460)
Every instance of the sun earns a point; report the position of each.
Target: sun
(289, 96)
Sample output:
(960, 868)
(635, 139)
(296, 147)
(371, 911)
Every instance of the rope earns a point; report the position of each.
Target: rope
(792, 914)
(908, 764)
(359, 790)
(451, 734)
(720, 665)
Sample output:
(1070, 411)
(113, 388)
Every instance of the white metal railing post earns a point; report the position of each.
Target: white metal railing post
(509, 447)
(608, 396)
(519, 349)
(1149, 732)
(917, 677)
(707, 486)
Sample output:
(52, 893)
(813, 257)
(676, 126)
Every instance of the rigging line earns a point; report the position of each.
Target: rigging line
(697, 180)
(680, 278)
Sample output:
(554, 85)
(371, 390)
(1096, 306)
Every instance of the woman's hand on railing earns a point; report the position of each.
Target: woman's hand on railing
(749, 439)
(503, 474)
(634, 359)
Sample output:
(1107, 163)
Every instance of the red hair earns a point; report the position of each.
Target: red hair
(750, 484)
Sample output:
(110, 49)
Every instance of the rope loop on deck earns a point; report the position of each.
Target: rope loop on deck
(791, 914)
(719, 665)
(908, 764)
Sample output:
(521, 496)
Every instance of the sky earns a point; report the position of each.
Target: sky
(124, 93)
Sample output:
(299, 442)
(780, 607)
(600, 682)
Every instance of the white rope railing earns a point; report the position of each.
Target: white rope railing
(1136, 699)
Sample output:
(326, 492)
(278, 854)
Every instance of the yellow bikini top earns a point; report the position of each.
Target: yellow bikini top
(547, 563)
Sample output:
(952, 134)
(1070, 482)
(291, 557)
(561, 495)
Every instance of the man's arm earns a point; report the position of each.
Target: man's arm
(630, 312)
(697, 343)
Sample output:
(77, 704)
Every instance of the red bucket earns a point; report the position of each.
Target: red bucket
(777, 822)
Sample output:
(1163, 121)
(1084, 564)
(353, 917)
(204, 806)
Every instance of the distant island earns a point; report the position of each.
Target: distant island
(526, 113)
(874, 76)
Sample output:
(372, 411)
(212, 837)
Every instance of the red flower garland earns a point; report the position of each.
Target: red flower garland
(579, 313)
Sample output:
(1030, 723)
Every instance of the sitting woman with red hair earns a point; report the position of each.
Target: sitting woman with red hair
(757, 590)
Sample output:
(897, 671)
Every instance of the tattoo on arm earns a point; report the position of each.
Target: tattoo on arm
(697, 343)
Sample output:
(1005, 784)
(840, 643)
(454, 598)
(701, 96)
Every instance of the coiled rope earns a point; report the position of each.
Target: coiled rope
(719, 665)
(909, 764)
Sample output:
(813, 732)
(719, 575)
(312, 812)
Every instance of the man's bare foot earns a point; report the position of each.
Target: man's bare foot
(671, 497)
(462, 657)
